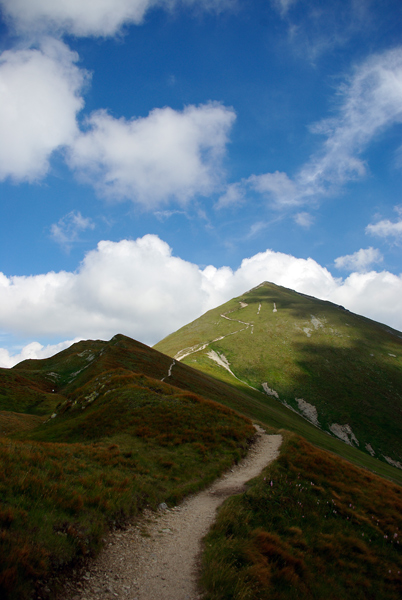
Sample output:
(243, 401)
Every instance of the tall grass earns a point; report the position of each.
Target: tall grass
(311, 526)
(132, 449)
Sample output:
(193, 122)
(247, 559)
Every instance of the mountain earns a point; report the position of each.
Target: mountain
(89, 438)
(340, 371)
(98, 432)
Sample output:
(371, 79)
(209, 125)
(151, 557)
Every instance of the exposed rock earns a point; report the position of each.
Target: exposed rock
(270, 392)
(394, 463)
(309, 411)
(370, 449)
(344, 433)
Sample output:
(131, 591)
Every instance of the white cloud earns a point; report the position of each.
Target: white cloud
(140, 289)
(277, 186)
(234, 195)
(89, 17)
(370, 102)
(33, 350)
(256, 228)
(304, 219)
(387, 228)
(67, 230)
(359, 261)
(318, 28)
(39, 100)
(168, 154)
(283, 5)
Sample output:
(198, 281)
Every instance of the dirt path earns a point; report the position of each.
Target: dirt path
(157, 558)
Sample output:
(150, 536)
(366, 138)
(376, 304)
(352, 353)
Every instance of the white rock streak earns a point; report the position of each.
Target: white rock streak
(308, 410)
(270, 392)
(199, 347)
(222, 361)
(344, 433)
(170, 370)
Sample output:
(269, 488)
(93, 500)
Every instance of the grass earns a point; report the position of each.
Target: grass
(348, 367)
(120, 441)
(311, 526)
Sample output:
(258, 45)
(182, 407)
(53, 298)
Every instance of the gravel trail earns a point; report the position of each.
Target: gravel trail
(157, 557)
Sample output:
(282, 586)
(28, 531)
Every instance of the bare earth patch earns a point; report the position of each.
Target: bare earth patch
(157, 557)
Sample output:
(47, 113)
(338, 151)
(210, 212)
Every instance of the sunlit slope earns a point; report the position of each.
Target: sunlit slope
(341, 371)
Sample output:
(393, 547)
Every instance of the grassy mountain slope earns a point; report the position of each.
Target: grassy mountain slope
(116, 439)
(311, 526)
(128, 427)
(341, 371)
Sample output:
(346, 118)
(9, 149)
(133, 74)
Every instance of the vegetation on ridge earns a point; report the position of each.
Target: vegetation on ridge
(310, 526)
(103, 429)
(121, 441)
(340, 371)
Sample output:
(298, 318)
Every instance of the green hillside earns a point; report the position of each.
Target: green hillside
(340, 371)
(91, 436)
(116, 439)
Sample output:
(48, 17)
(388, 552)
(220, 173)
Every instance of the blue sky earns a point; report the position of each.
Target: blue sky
(158, 157)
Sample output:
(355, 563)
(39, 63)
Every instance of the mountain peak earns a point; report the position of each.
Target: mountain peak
(340, 371)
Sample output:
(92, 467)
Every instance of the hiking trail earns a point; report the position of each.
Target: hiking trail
(157, 557)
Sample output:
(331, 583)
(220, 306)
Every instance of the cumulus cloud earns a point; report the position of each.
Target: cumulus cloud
(370, 101)
(168, 154)
(40, 96)
(89, 17)
(33, 350)
(359, 261)
(137, 287)
(67, 230)
(387, 228)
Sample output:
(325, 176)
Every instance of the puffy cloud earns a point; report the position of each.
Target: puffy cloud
(33, 350)
(387, 228)
(89, 17)
(39, 100)
(360, 260)
(135, 287)
(374, 295)
(168, 154)
(67, 230)
(140, 289)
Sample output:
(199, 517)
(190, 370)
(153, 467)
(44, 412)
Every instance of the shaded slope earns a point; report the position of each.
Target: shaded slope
(117, 440)
(311, 526)
(341, 371)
